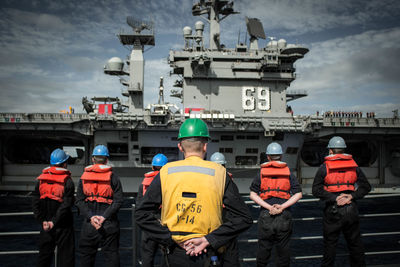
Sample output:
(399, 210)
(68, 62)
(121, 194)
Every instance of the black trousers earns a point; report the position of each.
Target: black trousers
(176, 257)
(274, 230)
(64, 239)
(342, 219)
(231, 256)
(106, 238)
(148, 250)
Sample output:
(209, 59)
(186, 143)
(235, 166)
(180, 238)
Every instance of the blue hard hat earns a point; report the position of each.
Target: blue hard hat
(100, 150)
(218, 158)
(159, 160)
(336, 142)
(274, 149)
(58, 156)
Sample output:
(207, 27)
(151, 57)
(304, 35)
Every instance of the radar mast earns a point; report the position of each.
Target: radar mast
(214, 8)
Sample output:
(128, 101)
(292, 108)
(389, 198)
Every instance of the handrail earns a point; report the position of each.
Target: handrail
(134, 230)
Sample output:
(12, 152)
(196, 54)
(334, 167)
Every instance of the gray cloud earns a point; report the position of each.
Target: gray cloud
(358, 71)
(53, 51)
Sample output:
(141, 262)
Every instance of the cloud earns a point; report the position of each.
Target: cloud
(354, 71)
(296, 17)
(53, 51)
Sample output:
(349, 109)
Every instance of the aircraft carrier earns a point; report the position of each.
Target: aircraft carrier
(241, 92)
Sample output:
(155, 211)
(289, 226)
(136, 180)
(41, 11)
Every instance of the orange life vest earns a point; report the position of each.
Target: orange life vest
(341, 173)
(275, 180)
(148, 179)
(96, 182)
(52, 182)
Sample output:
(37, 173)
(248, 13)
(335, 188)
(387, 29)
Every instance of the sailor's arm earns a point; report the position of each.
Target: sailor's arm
(318, 186)
(139, 196)
(254, 194)
(258, 200)
(68, 201)
(363, 186)
(118, 197)
(146, 214)
(239, 217)
(80, 202)
(295, 190)
(37, 212)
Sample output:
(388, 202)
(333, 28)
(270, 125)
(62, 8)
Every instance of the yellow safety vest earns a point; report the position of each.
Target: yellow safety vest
(192, 192)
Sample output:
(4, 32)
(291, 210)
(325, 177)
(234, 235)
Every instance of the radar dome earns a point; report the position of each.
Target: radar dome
(187, 31)
(114, 64)
(199, 25)
(282, 43)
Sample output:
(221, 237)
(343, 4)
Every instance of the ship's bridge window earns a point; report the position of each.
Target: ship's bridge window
(226, 150)
(240, 137)
(134, 136)
(246, 160)
(252, 137)
(118, 151)
(251, 150)
(226, 137)
(292, 150)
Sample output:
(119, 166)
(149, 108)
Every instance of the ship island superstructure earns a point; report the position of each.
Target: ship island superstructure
(241, 92)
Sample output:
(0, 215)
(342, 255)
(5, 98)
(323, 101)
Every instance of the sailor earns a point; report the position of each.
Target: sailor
(98, 198)
(192, 192)
(275, 189)
(340, 182)
(149, 246)
(231, 254)
(53, 198)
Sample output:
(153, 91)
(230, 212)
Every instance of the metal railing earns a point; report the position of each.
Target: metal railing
(135, 240)
(133, 230)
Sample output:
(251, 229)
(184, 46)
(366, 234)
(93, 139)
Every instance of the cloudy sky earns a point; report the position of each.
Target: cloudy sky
(53, 51)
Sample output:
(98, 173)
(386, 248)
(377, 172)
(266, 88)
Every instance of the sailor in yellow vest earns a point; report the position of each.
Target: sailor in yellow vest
(340, 183)
(99, 197)
(275, 189)
(192, 192)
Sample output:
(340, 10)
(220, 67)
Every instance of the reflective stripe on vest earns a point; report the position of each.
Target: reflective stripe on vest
(96, 182)
(192, 192)
(148, 179)
(52, 183)
(341, 173)
(275, 180)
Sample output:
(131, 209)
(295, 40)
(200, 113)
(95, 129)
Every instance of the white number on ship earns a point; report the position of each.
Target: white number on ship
(256, 97)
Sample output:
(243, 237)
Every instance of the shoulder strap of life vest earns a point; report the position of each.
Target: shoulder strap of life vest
(275, 168)
(97, 172)
(340, 161)
(54, 174)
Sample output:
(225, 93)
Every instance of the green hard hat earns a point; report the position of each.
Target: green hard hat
(193, 128)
